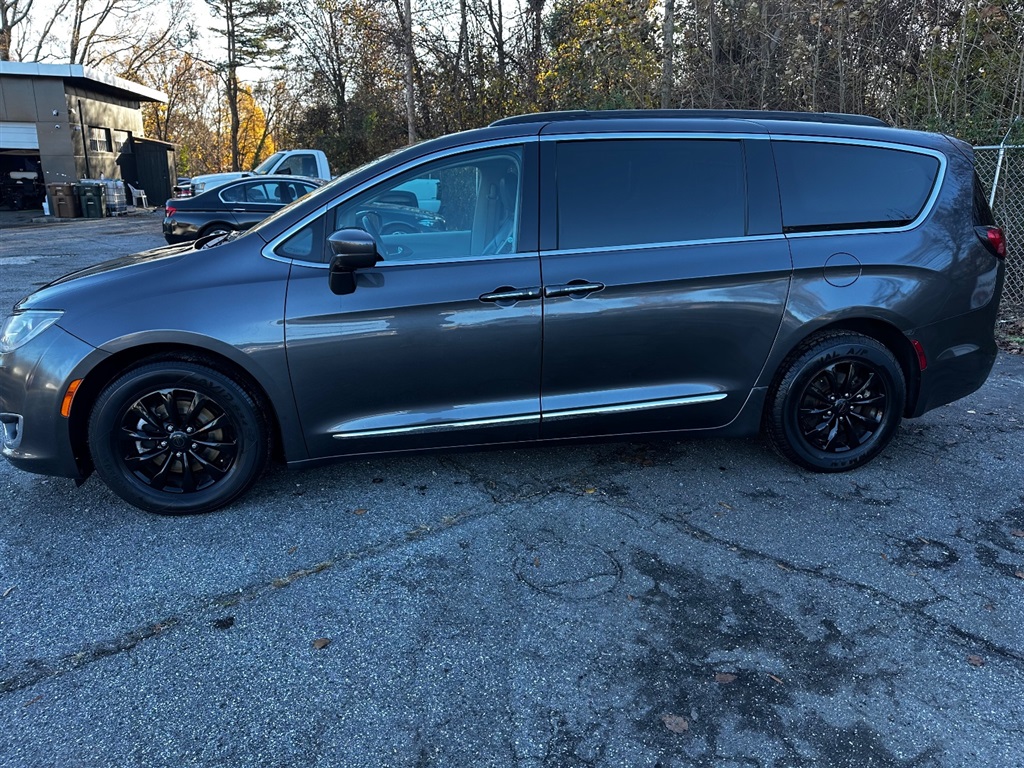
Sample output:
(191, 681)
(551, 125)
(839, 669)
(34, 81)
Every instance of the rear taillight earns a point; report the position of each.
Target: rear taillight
(994, 239)
(170, 211)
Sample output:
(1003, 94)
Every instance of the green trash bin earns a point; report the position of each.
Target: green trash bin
(93, 200)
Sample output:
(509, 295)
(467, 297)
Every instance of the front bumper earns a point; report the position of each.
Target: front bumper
(33, 380)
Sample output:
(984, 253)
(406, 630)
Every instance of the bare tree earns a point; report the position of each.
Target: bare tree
(12, 13)
(90, 32)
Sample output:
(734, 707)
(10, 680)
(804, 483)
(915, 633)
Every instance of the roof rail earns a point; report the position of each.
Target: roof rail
(705, 114)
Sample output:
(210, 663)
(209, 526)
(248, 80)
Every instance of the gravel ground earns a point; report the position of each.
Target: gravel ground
(675, 603)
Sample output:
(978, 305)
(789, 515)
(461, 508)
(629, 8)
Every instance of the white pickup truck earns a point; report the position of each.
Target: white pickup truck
(297, 162)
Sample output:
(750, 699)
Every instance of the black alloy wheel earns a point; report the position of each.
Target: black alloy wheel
(837, 402)
(177, 437)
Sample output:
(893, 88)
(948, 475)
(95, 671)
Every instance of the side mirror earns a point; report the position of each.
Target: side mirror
(353, 249)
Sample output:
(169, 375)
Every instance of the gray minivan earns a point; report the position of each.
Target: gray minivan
(815, 276)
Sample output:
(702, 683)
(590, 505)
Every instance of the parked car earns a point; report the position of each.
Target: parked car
(182, 187)
(310, 163)
(233, 207)
(600, 275)
(240, 204)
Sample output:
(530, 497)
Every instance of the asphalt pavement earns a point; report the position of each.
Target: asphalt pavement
(672, 603)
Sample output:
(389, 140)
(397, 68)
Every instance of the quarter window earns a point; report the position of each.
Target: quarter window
(644, 191)
(827, 186)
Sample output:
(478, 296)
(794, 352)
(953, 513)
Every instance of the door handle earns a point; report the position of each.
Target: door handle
(508, 295)
(575, 289)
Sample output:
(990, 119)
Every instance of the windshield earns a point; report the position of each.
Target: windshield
(269, 163)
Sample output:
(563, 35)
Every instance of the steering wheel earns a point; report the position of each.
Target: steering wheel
(370, 221)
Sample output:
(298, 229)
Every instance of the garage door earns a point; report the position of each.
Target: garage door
(18, 136)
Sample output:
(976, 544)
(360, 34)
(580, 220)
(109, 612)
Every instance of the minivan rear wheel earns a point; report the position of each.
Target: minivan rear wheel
(176, 437)
(837, 402)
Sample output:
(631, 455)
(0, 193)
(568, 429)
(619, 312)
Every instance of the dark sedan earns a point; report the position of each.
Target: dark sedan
(232, 207)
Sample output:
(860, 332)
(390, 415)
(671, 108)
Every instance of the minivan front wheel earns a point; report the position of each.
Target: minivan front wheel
(837, 402)
(176, 437)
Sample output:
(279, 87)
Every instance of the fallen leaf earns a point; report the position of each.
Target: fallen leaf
(975, 661)
(1019, 574)
(723, 504)
(293, 550)
(1018, 533)
(676, 723)
(777, 679)
(359, 511)
(590, 490)
(885, 557)
(321, 642)
(724, 677)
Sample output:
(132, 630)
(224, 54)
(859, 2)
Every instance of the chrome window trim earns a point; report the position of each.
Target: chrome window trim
(940, 180)
(268, 250)
(567, 413)
(940, 177)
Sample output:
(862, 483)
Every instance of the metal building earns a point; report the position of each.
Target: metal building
(63, 122)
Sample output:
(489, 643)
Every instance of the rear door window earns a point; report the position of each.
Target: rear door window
(828, 186)
(621, 192)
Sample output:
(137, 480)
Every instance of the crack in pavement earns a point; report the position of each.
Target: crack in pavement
(34, 671)
(916, 608)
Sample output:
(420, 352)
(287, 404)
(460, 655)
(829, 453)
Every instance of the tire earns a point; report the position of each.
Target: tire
(836, 403)
(143, 429)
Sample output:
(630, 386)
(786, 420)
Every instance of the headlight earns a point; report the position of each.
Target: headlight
(21, 328)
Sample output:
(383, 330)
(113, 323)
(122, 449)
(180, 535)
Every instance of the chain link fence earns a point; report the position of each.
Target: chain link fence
(1008, 207)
